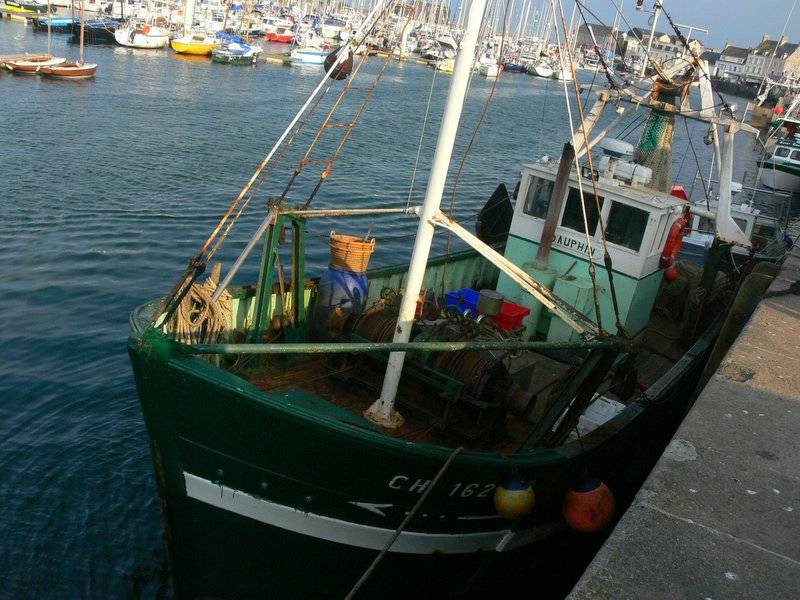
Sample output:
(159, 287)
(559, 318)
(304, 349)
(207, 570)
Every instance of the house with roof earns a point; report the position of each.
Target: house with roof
(769, 58)
(731, 63)
(664, 48)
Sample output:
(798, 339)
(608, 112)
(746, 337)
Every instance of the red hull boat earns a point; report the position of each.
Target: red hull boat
(283, 38)
(70, 70)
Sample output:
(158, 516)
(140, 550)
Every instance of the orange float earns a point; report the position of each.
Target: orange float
(589, 505)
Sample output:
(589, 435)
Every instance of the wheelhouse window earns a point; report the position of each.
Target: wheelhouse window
(626, 225)
(795, 155)
(537, 199)
(573, 215)
(781, 152)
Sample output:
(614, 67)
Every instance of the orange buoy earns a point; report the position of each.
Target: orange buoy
(589, 505)
(671, 274)
(514, 499)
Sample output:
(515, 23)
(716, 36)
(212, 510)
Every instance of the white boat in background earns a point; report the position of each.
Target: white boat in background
(542, 69)
(143, 36)
(563, 75)
(488, 67)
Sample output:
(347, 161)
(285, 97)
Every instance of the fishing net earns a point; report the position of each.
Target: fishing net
(655, 148)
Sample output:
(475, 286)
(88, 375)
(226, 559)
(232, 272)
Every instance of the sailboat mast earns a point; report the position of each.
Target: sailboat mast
(382, 410)
(80, 55)
(49, 40)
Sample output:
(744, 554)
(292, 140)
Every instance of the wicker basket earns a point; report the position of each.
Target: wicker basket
(351, 252)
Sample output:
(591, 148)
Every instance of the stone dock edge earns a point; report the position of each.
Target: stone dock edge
(719, 515)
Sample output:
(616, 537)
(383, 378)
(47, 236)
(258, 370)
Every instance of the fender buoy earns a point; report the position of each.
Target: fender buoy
(514, 499)
(589, 505)
(145, 29)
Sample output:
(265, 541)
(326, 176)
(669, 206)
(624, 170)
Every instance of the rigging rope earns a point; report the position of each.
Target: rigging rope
(592, 269)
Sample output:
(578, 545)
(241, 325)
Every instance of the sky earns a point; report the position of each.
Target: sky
(740, 22)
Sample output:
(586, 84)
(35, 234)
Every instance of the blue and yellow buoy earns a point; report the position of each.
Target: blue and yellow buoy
(514, 499)
(589, 505)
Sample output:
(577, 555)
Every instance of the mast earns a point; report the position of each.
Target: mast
(188, 17)
(49, 40)
(656, 12)
(382, 410)
(80, 59)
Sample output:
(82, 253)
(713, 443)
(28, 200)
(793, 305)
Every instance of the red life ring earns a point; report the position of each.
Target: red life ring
(672, 246)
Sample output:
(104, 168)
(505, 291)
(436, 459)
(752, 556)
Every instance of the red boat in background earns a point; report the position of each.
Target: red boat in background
(283, 35)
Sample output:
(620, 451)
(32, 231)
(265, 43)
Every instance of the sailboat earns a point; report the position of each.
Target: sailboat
(34, 65)
(142, 35)
(281, 475)
(72, 70)
(197, 43)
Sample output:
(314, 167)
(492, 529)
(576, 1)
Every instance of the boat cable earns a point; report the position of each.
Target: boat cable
(197, 264)
(474, 136)
(606, 70)
(404, 524)
(421, 137)
(592, 268)
(772, 57)
(696, 59)
(697, 162)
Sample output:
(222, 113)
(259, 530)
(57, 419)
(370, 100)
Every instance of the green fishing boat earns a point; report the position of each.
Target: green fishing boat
(438, 428)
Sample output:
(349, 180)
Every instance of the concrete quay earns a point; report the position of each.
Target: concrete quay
(719, 515)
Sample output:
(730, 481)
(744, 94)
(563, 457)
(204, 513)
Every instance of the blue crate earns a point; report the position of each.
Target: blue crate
(462, 299)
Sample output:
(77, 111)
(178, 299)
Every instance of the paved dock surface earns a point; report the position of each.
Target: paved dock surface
(719, 516)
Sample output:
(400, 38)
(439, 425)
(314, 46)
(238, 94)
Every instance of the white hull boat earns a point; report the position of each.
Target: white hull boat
(145, 37)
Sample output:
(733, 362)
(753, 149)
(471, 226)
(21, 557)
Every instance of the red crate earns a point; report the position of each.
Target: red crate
(511, 315)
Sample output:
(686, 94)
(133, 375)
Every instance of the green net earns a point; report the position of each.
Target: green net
(655, 148)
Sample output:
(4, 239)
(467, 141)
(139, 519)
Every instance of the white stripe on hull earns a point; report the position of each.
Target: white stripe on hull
(356, 534)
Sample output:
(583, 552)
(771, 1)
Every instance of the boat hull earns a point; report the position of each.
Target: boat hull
(308, 57)
(31, 67)
(261, 490)
(234, 59)
(280, 38)
(70, 71)
(139, 39)
(780, 177)
(196, 48)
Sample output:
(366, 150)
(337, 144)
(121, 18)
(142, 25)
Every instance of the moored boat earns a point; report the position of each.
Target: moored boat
(97, 31)
(236, 53)
(781, 170)
(70, 70)
(267, 440)
(142, 36)
(196, 43)
(56, 24)
(33, 66)
(283, 34)
(23, 8)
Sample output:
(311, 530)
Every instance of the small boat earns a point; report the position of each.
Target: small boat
(32, 66)
(20, 7)
(488, 67)
(142, 36)
(97, 31)
(542, 69)
(781, 170)
(236, 53)
(57, 24)
(309, 55)
(70, 70)
(196, 43)
(73, 70)
(282, 35)
(513, 67)
(445, 65)
(562, 75)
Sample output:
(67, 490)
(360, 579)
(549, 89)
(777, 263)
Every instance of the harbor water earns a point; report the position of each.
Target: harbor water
(109, 186)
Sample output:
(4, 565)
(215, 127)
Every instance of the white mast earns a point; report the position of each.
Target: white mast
(188, 18)
(656, 13)
(382, 411)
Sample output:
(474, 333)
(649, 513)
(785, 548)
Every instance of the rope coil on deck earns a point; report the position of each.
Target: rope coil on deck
(199, 319)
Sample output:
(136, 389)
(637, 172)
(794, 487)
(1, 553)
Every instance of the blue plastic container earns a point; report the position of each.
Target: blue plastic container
(344, 289)
(462, 299)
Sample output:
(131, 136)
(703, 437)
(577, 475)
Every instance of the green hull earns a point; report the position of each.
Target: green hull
(283, 495)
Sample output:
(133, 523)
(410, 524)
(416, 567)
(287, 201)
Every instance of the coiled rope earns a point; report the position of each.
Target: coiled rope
(199, 319)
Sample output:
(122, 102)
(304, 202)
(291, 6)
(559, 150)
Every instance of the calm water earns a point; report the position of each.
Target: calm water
(108, 186)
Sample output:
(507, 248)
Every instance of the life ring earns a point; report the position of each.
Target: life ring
(672, 246)
(145, 29)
